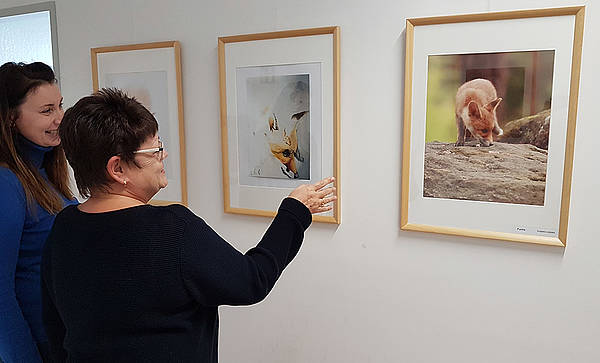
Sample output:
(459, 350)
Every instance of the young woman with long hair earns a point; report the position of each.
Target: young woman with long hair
(34, 187)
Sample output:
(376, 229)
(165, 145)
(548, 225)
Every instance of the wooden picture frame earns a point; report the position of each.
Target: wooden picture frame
(151, 72)
(443, 189)
(280, 117)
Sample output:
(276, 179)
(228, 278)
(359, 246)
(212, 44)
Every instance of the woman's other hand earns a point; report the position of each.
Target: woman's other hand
(316, 197)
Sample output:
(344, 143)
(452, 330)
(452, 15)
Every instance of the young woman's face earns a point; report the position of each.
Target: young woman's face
(40, 115)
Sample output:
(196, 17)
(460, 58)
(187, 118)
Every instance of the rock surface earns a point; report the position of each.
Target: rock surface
(534, 130)
(504, 173)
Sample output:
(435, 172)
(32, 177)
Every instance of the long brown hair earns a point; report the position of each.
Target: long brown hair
(16, 82)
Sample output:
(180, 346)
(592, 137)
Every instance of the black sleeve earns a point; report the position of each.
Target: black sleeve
(55, 328)
(215, 273)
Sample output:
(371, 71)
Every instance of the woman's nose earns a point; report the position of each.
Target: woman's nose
(59, 115)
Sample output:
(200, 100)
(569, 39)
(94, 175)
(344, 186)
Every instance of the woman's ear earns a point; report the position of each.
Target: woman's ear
(115, 170)
(13, 115)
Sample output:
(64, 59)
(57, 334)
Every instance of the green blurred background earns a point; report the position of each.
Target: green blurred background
(522, 79)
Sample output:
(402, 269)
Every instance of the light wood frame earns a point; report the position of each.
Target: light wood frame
(578, 13)
(176, 47)
(335, 49)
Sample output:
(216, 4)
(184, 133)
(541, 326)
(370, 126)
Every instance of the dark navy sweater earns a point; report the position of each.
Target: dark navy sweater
(22, 236)
(143, 284)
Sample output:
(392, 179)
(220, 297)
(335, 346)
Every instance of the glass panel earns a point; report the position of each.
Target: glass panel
(26, 38)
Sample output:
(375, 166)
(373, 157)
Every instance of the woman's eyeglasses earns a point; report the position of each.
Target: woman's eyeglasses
(158, 150)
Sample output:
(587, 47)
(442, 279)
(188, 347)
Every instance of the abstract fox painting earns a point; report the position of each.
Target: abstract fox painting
(285, 148)
(277, 123)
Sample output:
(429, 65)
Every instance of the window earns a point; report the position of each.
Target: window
(28, 34)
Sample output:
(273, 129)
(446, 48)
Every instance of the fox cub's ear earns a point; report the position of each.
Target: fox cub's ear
(494, 104)
(474, 109)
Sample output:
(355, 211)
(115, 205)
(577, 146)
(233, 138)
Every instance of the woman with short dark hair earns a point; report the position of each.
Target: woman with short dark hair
(125, 281)
(34, 186)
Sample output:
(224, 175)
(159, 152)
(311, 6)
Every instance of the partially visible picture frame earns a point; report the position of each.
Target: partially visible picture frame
(490, 105)
(280, 117)
(151, 72)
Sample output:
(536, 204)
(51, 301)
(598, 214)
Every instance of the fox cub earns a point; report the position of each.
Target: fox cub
(476, 103)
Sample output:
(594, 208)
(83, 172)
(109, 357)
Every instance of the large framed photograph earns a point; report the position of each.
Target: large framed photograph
(151, 73)
(489, 124)
(280, 126)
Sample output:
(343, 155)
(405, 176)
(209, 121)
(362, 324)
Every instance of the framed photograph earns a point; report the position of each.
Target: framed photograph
(490, 105)
(151, 73)
(280, 119)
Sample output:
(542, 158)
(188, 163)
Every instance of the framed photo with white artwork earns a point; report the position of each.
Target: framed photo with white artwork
(279, 117)
(151, 72)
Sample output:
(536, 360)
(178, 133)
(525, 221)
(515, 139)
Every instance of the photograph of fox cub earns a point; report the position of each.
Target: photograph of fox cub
(476, 103)
(488, 126)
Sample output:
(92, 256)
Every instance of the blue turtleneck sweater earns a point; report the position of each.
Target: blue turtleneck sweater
(22, 236)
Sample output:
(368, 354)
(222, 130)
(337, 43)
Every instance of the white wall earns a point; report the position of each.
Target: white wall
(366, 291)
